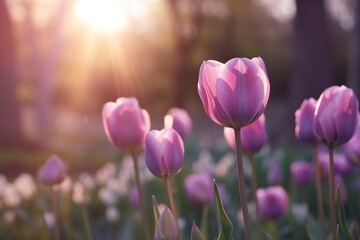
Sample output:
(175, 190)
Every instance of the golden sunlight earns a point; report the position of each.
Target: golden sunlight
(106, 15)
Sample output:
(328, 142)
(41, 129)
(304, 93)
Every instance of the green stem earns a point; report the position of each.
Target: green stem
(172, 205)
(55, 212)
(204, 221)
(141, 197)
(86, 222)
(241, 184)
(332, 193)
(319, 193)
(276, 229)
(254, 188)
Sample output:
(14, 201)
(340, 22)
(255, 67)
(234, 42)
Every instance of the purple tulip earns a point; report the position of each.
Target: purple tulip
(199, 188)
(342, 166)
(253, 136)
(126, 124)
(302, 172)
(351, 149)
(234, 94)
(304, 121)
(180, 120)
(164, 152)
(53, 171)
(273, 202)
(336, 115)
(274, 175)
(166, 227)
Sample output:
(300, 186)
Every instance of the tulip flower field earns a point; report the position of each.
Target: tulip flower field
(165, 184)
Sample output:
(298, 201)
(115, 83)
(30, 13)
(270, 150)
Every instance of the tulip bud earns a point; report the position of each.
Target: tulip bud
(302, 172)
(273, 202)
(167, 227)
(199, 188)
(126, 124)
(234, 94)
(134, 196)
(164, 152)
(180, 120)
(336, 115)
(253, 136)
(342, 188)
(53, 172)
(304, 122)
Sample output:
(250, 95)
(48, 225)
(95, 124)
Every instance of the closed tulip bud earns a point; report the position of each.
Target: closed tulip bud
(134, 196)
(164, 152)
(180, 120)
(304, 122)
(236, 93)
(302, 172)
(253, 136)
(351, 149)
(126, 124)
(273, 202)
(199, 188)
(336, 115)
(53, 172)
(167, 227)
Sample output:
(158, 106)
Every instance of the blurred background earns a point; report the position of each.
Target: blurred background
(60, 61)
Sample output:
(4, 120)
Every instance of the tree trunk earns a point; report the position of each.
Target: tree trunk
(354, 53)
(10, 125)
(311, 72)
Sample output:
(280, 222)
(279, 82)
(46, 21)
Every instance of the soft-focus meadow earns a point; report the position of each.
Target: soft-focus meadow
(61, 61)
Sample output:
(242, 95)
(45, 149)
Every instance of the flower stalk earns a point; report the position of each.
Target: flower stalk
(332, 193)
(55, 212)
(172, 205)
(254, 188)
(141, 197)
(241, 184)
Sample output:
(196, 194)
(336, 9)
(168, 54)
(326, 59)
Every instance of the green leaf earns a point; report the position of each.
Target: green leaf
(309, 233)
(341, 217)
(195, 233)
(225, 226)
(267, 236)
(155, 210)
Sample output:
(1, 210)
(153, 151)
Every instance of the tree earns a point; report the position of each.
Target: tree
(10, 125)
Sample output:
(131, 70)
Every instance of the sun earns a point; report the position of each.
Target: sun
(105, 15)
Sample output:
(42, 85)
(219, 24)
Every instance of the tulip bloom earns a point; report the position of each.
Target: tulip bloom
(180, 120)
(336, 115)
(164, 152)
(234, 94)
(253, 136)
(273, 202)
(199, 188)
(351, 149)
(126, 124)
(302, 172)
(53, 171)
(304, 121)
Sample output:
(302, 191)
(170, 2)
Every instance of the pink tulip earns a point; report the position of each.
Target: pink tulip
(180, 120)
(53, 171)
(336, 115)
(126, 124)
(234, 94)
(351, 149)
(199, 188)
(164, 152)
(304, 120)
(253, 136)
(273, 202)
